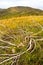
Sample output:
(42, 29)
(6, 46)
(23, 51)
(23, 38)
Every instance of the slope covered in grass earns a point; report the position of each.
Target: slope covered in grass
(19, 11)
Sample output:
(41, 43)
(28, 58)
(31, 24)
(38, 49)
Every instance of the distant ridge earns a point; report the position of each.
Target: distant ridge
(19, 11)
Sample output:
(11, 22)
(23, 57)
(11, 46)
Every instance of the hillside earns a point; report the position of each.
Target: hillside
(21, 36)
(19, 11)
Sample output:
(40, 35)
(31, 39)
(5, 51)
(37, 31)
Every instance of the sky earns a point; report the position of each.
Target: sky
(30, 3)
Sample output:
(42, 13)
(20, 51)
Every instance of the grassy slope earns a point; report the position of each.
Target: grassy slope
(12, 21)
(19, 11)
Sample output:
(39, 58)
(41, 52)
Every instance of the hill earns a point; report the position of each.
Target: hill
(19, 11)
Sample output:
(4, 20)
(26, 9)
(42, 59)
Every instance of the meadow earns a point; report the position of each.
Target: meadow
(21, 40)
